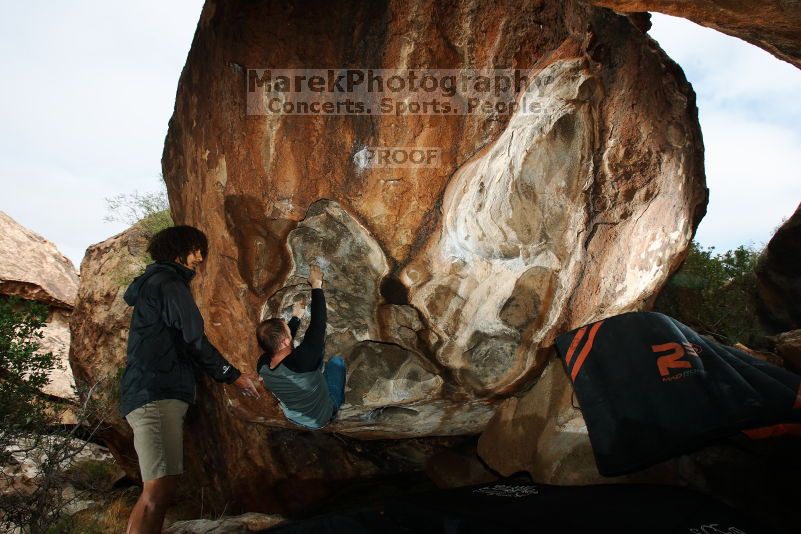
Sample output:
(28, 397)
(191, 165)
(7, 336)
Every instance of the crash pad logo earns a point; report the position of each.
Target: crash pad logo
(675, 360)
(506, 490)
(714, 528)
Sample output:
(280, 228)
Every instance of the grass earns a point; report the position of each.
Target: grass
(108, 517)
(93, 475)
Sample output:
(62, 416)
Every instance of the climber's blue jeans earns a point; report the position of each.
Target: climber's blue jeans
(334, 374)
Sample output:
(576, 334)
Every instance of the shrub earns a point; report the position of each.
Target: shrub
(23, 371)
(148, 211)
(97, 475)
(31, 433)
(715, 295)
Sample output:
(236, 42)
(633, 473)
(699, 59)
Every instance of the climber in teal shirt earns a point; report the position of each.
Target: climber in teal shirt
(309, 393)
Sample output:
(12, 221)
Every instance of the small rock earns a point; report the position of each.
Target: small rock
(250, 522)
(760, 355)
(788, 346)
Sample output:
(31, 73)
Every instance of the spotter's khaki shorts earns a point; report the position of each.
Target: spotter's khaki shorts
(158, 429)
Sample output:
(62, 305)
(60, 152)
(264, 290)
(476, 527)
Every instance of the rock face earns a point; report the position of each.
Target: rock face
(461, 271)
(56, 340)
(274, 468)
(773, 26)
(99, 328)
(446, 284)
(779, 278)
(32, 268)
(544, 434)
(228, 525)
(788, 346)
(541, 433)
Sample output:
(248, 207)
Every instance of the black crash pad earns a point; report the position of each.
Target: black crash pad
(515, 506)
(651, 388)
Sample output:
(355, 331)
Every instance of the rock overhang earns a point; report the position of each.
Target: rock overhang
(458, 276)
(489, 253)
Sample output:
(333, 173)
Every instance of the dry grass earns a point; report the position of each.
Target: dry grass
(109, 517)
(113, 517)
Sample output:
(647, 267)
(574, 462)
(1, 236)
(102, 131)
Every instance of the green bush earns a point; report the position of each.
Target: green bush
(715, 295)
(31, 432)
(148, 211)
(92, 475)
(23, 371)
(156, 222)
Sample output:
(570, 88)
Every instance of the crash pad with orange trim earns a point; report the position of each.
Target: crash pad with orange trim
(651, 388)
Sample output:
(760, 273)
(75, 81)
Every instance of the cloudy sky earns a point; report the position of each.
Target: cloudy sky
(750, 113)
(89, 86)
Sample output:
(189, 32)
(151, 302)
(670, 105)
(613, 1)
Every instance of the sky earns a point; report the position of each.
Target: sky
(749, 107)
(88, 88)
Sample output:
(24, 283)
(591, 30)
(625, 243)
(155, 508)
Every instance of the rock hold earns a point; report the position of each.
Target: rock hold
(382, 374)
(788, 346)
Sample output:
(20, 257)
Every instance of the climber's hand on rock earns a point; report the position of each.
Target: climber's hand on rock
(299, 309)
(315, 276)
(245, 385)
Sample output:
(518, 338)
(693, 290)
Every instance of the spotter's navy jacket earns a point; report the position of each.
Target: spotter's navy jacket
(166, 341)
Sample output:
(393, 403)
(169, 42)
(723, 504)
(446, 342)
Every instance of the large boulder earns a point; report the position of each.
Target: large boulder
(32, 268)
(532, 222)
(295, 469)
(99, 328)
(773, 26)
(446, 283)
(779, 278)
